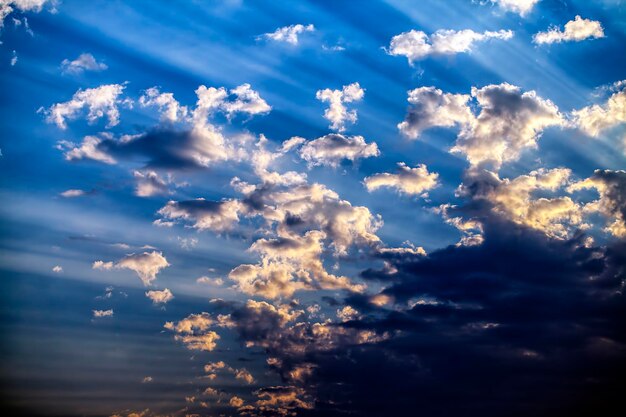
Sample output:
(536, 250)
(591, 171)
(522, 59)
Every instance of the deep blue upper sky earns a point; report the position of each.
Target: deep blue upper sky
(60, 359)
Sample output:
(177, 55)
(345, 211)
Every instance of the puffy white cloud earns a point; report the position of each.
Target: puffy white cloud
(170, 108)
(57, 269)
(288, 34)
(576, 30)
(149, 184)
(509, 122)
(431, 107)
(89, 148)
(84, 62)
(337, 113)
(611, 186)
(594, 119)
(160, 297)
(102, 313)
(247, 101)
(416, 45)
(414, 181)
(72, 193)
(218, 216)
(147, 265)
(348, 313)
(8, 6)
(194, 331)
(100, 102)
(521, 7)
(333, 148)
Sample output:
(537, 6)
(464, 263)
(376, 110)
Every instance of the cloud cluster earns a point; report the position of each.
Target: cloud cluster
(8, 6)
(412, 181)
(416, 45)
(337, 113)
(146, 265)
(576, 30)
(288, 34)
(595, 119)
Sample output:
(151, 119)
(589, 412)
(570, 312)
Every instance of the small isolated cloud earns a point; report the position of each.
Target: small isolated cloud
(160, 297)
(147, 265)
(521, 7)
(236, 402)
(14, 59)
(149, 184)
(84, 62)
(288, 34)
(412, 181)
(416, 45)
(337, 114)
(576, 30)
(147, 379)
(72, 193)
(102, 313)
(99, 102)
(58, 269)
(333, 148)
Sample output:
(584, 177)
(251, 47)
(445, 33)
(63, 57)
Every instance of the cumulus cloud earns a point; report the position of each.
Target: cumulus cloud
(146, 265)
(194, 331)
(218, 216)
(431, 107)
(595, 119)
(337, 113)
(611, 186)
(8, 6)
(576, 30)
(412, 181)
(57, 269)
(72, 193)
(521, 7)
(160, 297)
(170, 108)
(333, 148)
(84, 62)
(416, 45)
(102, 313)
(149, 184)
(288, 34)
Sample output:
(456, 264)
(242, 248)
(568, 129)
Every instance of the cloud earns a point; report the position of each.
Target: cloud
(84, 62)
(149, 184)
(100, 102)
(576, 30)
(194, 331)
(160, 297)
(72, 193)
(431, 107)
(412, 181)
(521, 7)
(416, 45)
(288, 34)
(595, 119)
(102, 313)
(147, 265)
(8, 6)
(170, 108)
(57, 269)
(509, 122)
(219, 216)
(337, 114)
(235, 402)
(611, 186)
(333, 148)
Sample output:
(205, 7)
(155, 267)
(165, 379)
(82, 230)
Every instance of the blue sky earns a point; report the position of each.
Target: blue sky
(538, 168)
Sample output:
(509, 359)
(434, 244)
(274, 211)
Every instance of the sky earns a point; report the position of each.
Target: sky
(312, 208)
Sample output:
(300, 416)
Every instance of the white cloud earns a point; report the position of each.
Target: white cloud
(149, 184)
(147, 265)
(100, 102)
(102, 313)
(416, 45)
(57, 269)
(337, 113)
(160, 297)
(521, 7)
(333, 148)
(593, 120)
(14, 59)
(576, 30)
(72, 193)
(84, 62)
(288, 34)
(88, 149)
(147, 379)
(170, 108)
(218, 216)
(413, 181)
(431, 107)
(8, 6)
